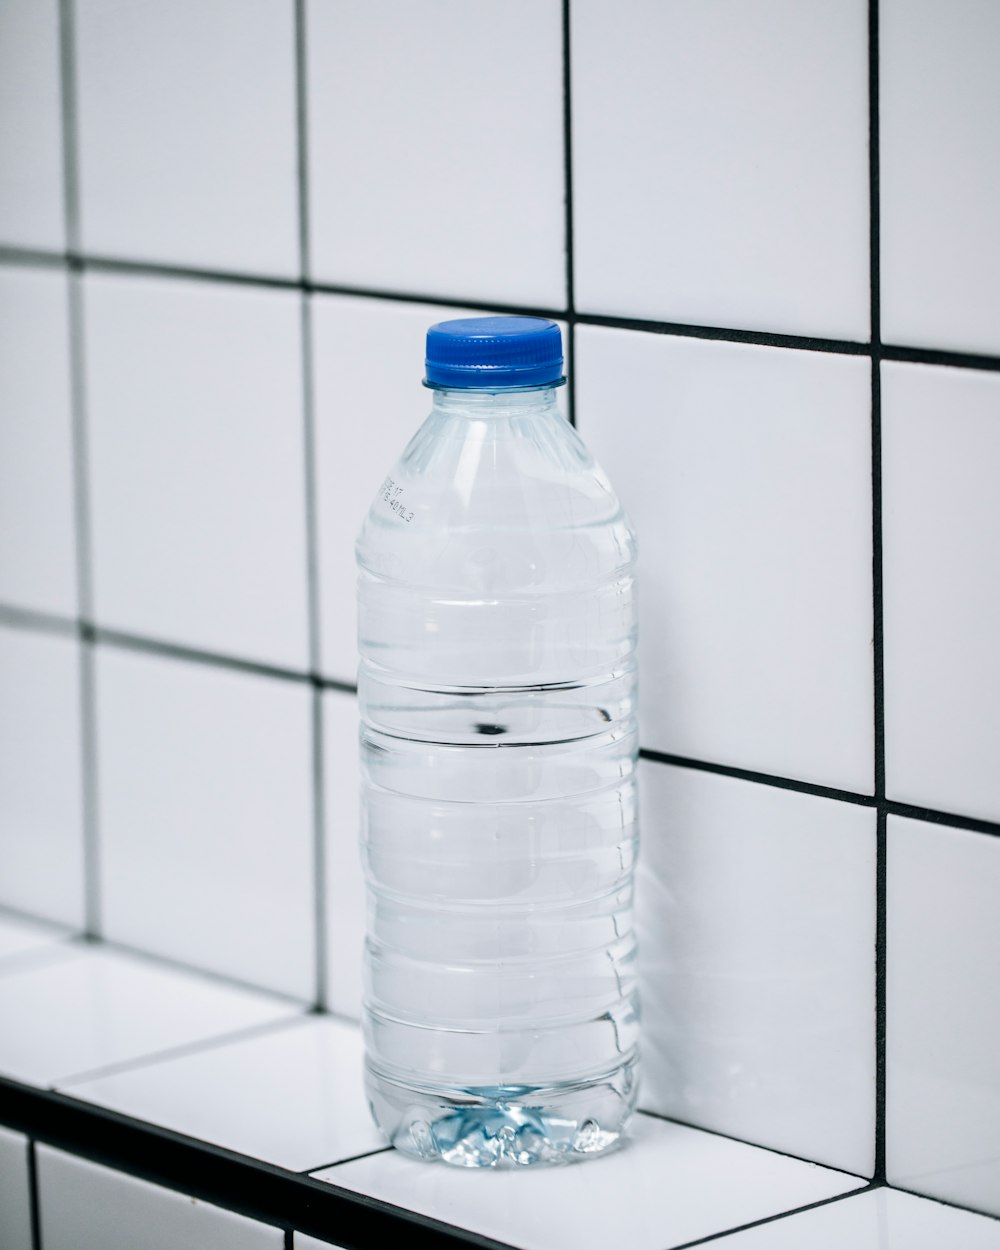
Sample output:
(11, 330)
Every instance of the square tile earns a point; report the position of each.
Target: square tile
(31, 156)
(186, 121)
(669, 1186)
(942, 1061)
(747, 474)
(206, 817)
(939, 111)
(89, 1007)
(41, 784)
(880, 1220)
(435, 147)
(756, 918)
(84, 1204)
(368, 360)
(345, 884)
(301, 1241)
(941, 531)
(37, 530)
(292, 1096)
(720, 163)
(198, 465)
(20, 936)
(15, 1192)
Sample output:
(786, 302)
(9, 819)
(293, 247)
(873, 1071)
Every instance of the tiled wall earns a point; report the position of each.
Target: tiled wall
(224, 228)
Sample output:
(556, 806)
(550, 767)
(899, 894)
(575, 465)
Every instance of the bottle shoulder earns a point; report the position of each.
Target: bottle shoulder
(521, 498)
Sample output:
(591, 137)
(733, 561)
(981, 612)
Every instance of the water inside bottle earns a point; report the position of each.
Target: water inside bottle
(498, 697)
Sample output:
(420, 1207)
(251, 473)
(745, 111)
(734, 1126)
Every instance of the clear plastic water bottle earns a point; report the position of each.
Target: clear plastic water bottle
(497, 687)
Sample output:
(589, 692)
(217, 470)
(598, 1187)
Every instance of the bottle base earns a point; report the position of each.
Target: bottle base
(505, 1126)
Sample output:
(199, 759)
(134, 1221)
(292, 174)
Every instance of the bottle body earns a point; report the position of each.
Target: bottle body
(498, 699)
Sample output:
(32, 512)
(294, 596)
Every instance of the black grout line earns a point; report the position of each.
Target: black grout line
(779, 1215)
(9, 911)
(335, 683)
(289, 1243)
(80, 443)
(761, 338)
(70, 136)
(319, 851)
(571, 373)
(29, 619)
(153, 1058)
(109, 264)
(878, 666)
(84, 571)
(34, 1205)
(92, 910)
(30, 257)
(744, 1141)
(251, 1187)
(445, 301)
(302, 137)
(183, 273)
(364, 1154)
(568, 154)
(81, 474)
(20, 618)
(194, 655)
(157, 959)
(881, 927)
(929, 815)
(943, 1202)
(765, 779)
(940, 356)
(37, 622)
(312, 513)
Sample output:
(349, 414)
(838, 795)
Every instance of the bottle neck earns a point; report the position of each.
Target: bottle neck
(507, 403)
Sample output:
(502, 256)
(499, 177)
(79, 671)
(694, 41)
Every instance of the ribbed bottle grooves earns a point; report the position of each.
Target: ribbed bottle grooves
(499, 748)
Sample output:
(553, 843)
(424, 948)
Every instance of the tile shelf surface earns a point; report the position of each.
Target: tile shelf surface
(250, 1102)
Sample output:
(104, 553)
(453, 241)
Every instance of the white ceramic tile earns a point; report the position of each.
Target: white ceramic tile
(41, 804)
(293, 1096)
(345, 886)
(942, 1060)
(756, 915)
(302, 1242)
(197, 463)
(747, 474)
(88, 1007)
(37, 558)
(669, 1186)
(435, 144)
(369, 365)
(720, 162)
(15, 1194)
(880, 1220)
(85, 1205)
(186, 119)
(31, 185)
(941, 532)
(206, 817)
(939, 110)
(20, 936)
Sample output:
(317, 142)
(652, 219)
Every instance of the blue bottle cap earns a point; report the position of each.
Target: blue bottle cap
(494, 353)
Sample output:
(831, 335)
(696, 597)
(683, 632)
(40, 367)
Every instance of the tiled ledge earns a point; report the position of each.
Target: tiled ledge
(252, 1104)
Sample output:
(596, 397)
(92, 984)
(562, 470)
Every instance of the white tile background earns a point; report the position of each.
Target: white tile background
(720, 179)
(31, 134)
(84, 1204)
(15, 1198)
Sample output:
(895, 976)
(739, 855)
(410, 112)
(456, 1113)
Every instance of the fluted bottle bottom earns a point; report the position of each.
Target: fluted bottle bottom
(505, 1126)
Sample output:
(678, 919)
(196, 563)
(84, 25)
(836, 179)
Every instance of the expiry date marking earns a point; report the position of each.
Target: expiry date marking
(392, 495)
